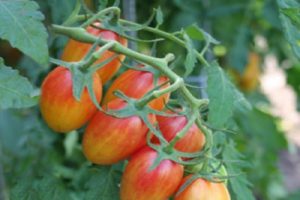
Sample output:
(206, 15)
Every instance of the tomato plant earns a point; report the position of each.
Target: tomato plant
(170, 111)
(59, 108)
(141, 182)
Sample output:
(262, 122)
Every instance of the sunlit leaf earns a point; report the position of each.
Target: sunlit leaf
(21, 25)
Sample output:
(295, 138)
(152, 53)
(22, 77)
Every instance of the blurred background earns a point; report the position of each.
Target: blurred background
(253, 51)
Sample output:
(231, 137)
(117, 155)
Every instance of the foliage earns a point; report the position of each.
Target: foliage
(39, 164)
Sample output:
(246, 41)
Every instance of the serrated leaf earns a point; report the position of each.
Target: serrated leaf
(238, 184)
(159, 16)
(289, 20)
(15, 91)
(223, 96)
(191, 57)
(196, 33)
(21, 25)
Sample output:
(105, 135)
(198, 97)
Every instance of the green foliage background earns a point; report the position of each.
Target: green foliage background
(39, 164)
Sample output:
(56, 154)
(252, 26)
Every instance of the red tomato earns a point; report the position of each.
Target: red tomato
(138, 183)
(108, 139)
(193, 140)
(59, 108)
(136, 84)
(75, 51)
(202, 189)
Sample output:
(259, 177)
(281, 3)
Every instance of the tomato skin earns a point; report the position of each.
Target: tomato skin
(194, 139)
(59, 108)
(108, 139)
(159, 184)
(136, 84)
(202, 189)
(75, 51)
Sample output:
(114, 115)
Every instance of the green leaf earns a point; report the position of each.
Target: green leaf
(293, 80)
(47, 188)
(289, 17)
(196, 33)
(60, 10)
(293, 14)
(103, 184)
(15, 91)
(20, 23)
(223, 96)
(239, 184)
(191, 57)
(238, 55)
(263, 129)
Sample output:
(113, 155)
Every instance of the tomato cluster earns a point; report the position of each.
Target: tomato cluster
(109, 139)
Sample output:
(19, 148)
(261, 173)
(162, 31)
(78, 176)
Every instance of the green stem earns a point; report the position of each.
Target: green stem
(73, 17)
(159, 63)
(157, 93)
(168, 36)
(95, 56)
(103, 12)
(208, 141)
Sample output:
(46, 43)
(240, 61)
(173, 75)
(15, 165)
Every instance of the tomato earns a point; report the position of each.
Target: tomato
(59, 108)
(108, 139)
(136, 84)
(75, 51)
(193, 140)
(138, 183)
(250, 78)
(202, 189)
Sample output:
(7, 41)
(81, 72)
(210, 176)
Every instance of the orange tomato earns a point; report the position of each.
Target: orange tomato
(75, 51)
(139, 183)
(61, 111)
(202, 189)
(136, 84)
(108, 139)
(192, 141)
